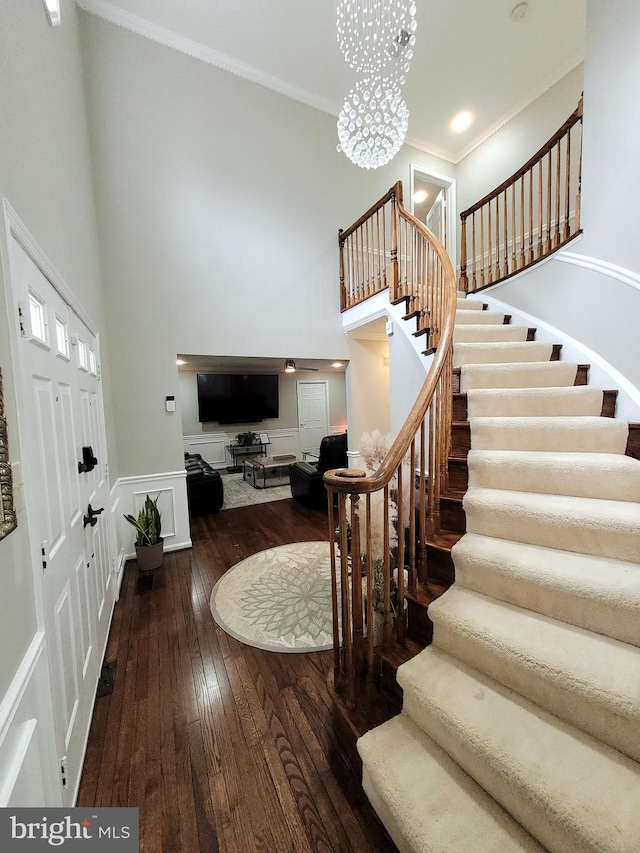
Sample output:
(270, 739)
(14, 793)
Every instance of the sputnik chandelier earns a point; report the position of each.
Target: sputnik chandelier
(376, 38)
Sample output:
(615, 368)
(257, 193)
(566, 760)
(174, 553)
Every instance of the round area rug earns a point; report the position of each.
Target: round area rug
(279, 599)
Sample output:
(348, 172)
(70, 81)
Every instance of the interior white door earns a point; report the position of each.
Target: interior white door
(436, 218)
(64, 414)
(313, 415)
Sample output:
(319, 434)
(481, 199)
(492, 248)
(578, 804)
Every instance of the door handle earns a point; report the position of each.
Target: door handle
(92, 516)
(89, 461)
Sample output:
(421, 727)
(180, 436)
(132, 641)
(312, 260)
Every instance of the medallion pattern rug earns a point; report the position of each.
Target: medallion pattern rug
(278, 600)
(237, 493)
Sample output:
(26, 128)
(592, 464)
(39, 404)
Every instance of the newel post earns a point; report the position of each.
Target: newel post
(393, 263)
(343, 292)
(579, 193)
(464, 280)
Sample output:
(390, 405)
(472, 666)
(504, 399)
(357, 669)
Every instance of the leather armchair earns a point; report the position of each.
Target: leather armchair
(306, 477)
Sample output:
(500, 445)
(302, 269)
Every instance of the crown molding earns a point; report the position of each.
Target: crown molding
(533, 95)
(141, 26)
(135, 24)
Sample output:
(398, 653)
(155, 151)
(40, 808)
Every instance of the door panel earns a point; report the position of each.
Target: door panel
(46, 445)
(66, 658)
(62, 414)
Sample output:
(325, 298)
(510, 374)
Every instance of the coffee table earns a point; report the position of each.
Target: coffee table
(266, 471)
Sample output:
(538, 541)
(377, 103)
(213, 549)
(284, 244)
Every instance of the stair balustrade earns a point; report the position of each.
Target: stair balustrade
(529, 216)
(379, 523)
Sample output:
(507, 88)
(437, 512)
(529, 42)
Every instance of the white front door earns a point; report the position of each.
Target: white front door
(313, 415)
(63, 408)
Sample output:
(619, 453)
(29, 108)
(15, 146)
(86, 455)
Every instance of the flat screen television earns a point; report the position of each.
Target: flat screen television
(237, 398)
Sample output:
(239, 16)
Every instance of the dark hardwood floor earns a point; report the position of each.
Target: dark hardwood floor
(221, 746)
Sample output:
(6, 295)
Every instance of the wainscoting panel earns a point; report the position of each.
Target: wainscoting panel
(29, 775)
(117, 545)
(213, 446)
(172, 490)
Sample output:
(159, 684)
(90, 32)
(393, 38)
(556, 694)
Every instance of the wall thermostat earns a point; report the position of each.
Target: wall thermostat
(170, 404)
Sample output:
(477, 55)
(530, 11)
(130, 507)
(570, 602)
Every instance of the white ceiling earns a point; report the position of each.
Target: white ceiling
(469, 54)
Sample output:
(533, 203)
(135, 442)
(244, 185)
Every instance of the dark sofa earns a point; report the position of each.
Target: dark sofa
(306, 477)
(205, 491)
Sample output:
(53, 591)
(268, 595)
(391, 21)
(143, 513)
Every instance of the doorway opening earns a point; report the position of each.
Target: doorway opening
(432, 200)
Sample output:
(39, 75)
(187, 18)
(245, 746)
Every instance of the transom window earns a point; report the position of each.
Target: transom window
(82, 354)
(62, 338)
(37, 318)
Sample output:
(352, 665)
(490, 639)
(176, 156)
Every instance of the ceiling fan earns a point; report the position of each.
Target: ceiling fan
(290, 366)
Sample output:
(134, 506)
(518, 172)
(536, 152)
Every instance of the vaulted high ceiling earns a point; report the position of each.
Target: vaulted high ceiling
(469, 54)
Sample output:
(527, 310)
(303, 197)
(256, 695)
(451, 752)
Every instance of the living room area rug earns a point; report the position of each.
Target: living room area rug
(278, 600)
(237, 493)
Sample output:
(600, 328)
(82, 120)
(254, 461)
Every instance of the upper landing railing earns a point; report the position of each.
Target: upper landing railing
(379, 522)
(529, 216)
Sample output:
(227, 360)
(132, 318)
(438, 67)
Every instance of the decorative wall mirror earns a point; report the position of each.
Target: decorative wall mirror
(8, 519)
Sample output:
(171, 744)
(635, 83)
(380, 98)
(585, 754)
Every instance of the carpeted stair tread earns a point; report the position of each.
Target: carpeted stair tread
(574, 794)
(542, 374)
(584, 678)
(429, 804)
(595, 593)
(472, 332)
(492, 352)
(609, 476)
(474, 317)
(470, 304)
(585, 433)
(584, 525)
(574, 400)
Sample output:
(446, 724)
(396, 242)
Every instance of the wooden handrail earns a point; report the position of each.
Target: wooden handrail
(368, 251)
(365, 567)
(574, 118)
(499, 252)
(374, 207)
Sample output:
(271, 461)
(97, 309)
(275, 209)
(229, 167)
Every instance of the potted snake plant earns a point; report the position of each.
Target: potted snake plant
(149, 542)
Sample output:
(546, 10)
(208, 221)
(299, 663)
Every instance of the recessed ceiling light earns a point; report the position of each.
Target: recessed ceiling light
(337, 364)
(461, 121)
(419, 196)
(180, 362)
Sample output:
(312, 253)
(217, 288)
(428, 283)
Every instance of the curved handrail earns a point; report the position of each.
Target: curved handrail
(338, 479)
(574, 118)
(399, 507)
(529, 216)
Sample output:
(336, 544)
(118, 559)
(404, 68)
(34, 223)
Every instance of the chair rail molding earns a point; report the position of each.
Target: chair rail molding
(622, 274)
(171, 486)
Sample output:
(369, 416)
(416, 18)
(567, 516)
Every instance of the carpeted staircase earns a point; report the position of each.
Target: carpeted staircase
(520, 727)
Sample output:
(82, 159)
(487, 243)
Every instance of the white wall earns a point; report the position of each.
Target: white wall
(45, 175)
(592, 290)
(408, 372)
(288, 403)
(610, 164)
(505, 151)
(219, 203)
(211, 440)
(368, 383)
